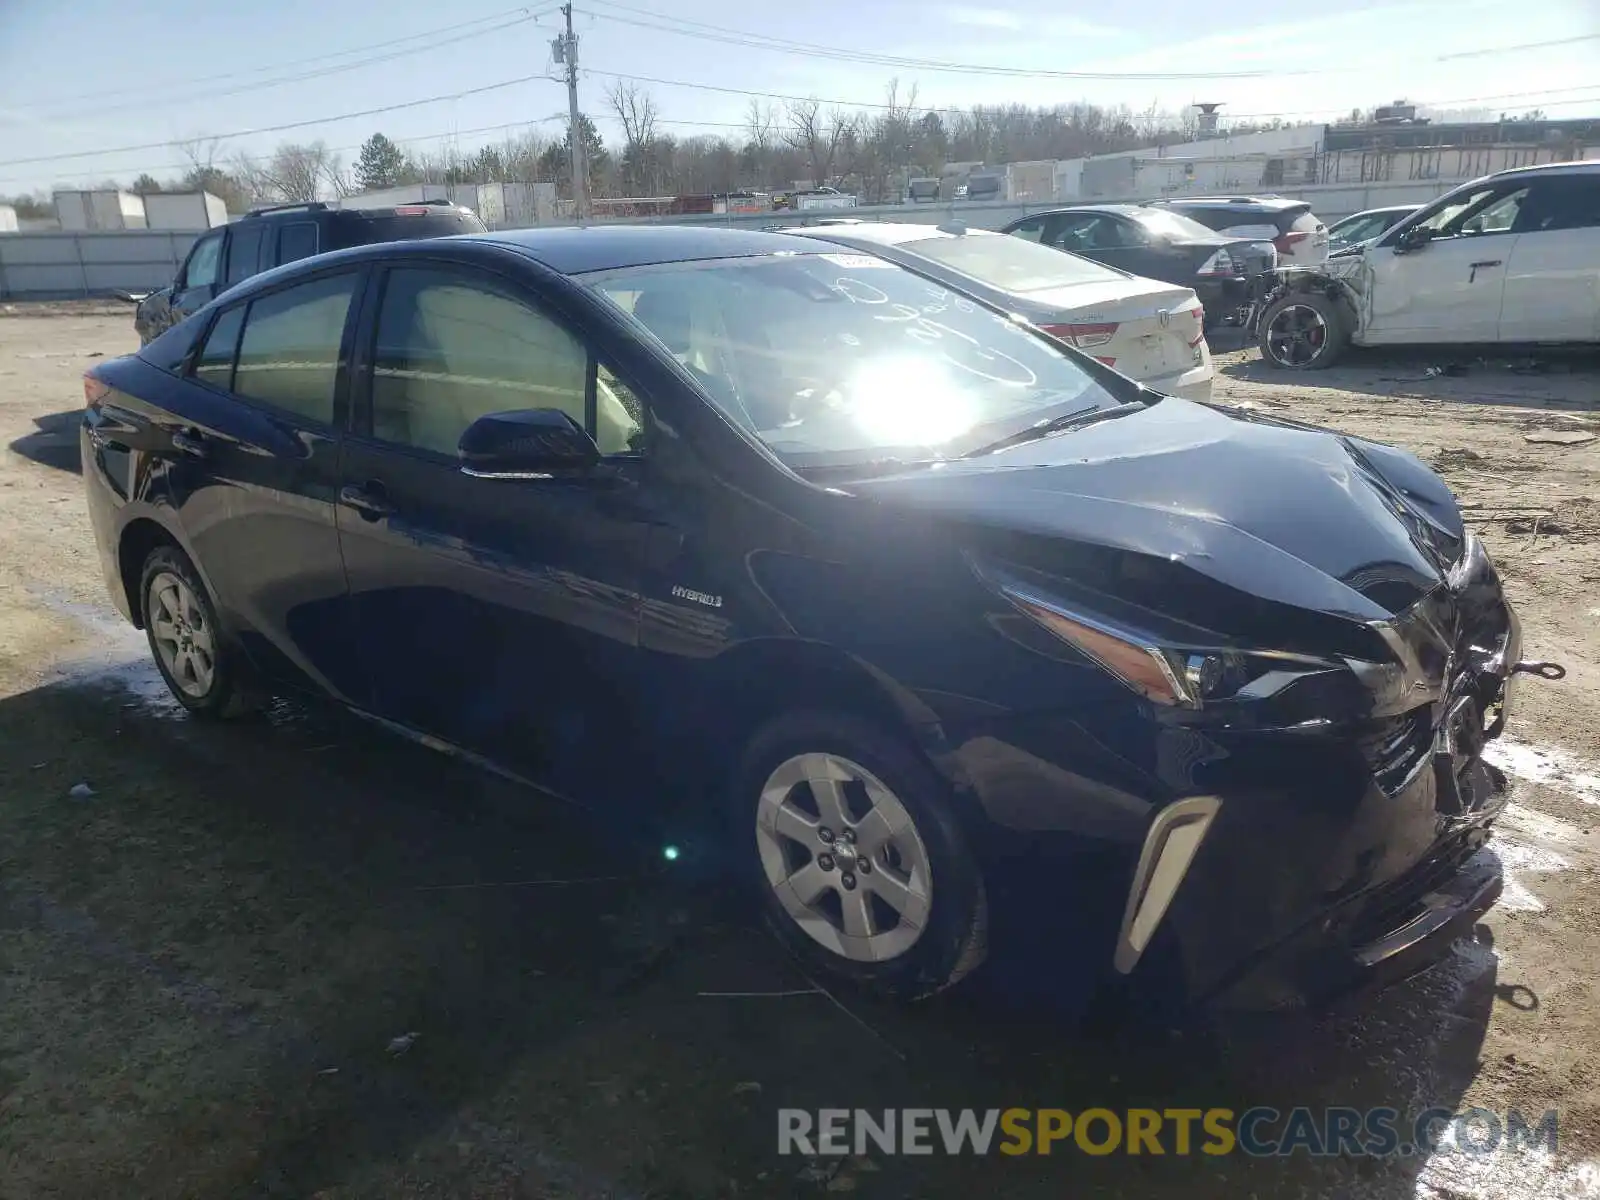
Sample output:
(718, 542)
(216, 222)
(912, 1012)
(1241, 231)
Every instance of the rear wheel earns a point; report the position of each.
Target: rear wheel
(201, 669)
(863, 869)
(1304, 331)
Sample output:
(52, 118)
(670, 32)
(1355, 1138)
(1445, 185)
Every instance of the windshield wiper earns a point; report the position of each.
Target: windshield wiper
(1076, 419)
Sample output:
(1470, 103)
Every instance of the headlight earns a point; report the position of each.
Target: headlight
(1185, 676)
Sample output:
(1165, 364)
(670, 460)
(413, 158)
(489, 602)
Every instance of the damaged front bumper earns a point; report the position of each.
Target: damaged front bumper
(1364, 862)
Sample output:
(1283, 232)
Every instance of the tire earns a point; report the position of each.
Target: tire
(1303, 331)
(919, 897)
(201, 667)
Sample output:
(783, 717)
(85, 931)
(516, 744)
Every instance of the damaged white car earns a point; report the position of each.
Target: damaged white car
(1510, 258)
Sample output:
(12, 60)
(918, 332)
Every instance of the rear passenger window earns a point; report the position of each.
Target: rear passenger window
(244, 254)
(453, 348)
(214, 363)
(1562, 202)
(289, 354)
(296, 241)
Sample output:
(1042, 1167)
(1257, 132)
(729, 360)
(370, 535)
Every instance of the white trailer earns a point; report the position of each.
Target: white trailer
(8, 219)
(184, 211)
(814, 200)
(81, 211)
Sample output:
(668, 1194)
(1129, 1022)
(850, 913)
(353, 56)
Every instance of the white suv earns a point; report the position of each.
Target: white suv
(1513, 257)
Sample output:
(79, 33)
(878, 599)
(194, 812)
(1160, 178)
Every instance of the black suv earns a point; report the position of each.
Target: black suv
(1293, 229)
(269, 237)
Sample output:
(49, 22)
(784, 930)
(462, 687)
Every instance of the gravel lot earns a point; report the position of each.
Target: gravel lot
(206, 960)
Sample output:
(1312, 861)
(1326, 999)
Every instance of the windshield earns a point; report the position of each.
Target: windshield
(1173, 225)
(833, 359)
(1012, 263)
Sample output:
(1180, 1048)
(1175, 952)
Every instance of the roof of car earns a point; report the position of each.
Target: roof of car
(1238, 203)
(573, 250)
(1388, 208)
(1121, 210)
(1582, 167)
(887, 233)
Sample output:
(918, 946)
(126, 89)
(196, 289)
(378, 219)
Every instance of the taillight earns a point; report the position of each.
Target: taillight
(1220, 263)
(1198, 312)
(1284, 241)
(1083, 336)
(413, 210)
(94, 391)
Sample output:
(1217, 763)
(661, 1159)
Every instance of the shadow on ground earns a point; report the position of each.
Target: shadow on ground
(212, 955)
(54, 443)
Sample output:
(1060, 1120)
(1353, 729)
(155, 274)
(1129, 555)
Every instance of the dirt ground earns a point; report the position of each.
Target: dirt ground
(209, 951)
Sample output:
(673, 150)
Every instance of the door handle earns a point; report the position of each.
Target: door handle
(369, 500)
(190, 443)
(1472, 277)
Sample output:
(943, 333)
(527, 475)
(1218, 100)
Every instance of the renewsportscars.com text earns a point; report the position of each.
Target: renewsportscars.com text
(1257, 1132)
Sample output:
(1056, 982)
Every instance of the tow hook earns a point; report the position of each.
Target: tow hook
(1544, 670)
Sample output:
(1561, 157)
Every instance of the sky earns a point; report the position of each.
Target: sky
(118, 85)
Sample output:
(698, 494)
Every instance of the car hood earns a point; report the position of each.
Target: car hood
(1281, 512)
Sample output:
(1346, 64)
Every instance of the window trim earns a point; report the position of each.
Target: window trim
(341, 379)
(191, 360)
(359, 423)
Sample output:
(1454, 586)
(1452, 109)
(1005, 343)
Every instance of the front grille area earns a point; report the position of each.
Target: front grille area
(1399, 902)
(1394, 748)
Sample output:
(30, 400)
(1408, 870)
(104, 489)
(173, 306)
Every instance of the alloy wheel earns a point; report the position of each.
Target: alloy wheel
(182, 635)
(843, 857)
(1297, 334)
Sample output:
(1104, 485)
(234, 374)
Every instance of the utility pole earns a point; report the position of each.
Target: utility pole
(566, 52)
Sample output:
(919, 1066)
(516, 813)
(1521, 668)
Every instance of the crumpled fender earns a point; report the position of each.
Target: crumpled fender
(1348, 279)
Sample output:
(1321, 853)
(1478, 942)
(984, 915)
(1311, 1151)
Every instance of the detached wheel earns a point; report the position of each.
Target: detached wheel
(862, 866)
(1306, 331)
(201, 670)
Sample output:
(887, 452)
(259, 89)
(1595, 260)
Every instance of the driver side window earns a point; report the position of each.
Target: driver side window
(1484, 210)
(452, 348)
(204, 263)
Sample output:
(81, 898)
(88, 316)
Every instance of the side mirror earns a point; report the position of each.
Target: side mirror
(1414, 238)
(535, 443)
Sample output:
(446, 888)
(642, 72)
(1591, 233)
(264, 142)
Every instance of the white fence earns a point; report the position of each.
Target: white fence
(53, 266)
(45, 266)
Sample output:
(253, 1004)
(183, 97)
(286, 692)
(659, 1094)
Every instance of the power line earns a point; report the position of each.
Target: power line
(925, 108)
(323, 72)
(694, 86)
(333, 149)
(757, 41)
(298, 62)
(645, 19)
(287, 125)
(151, 169)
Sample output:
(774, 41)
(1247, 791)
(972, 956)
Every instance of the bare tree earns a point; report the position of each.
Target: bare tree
(201, 153)
(636, 111)
(818, 138)
(761, 122)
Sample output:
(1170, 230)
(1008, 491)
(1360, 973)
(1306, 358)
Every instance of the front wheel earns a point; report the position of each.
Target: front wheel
(200, 668)
(862, 866)
(1303, 331)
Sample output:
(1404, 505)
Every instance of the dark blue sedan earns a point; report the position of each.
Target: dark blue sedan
(971, 642)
